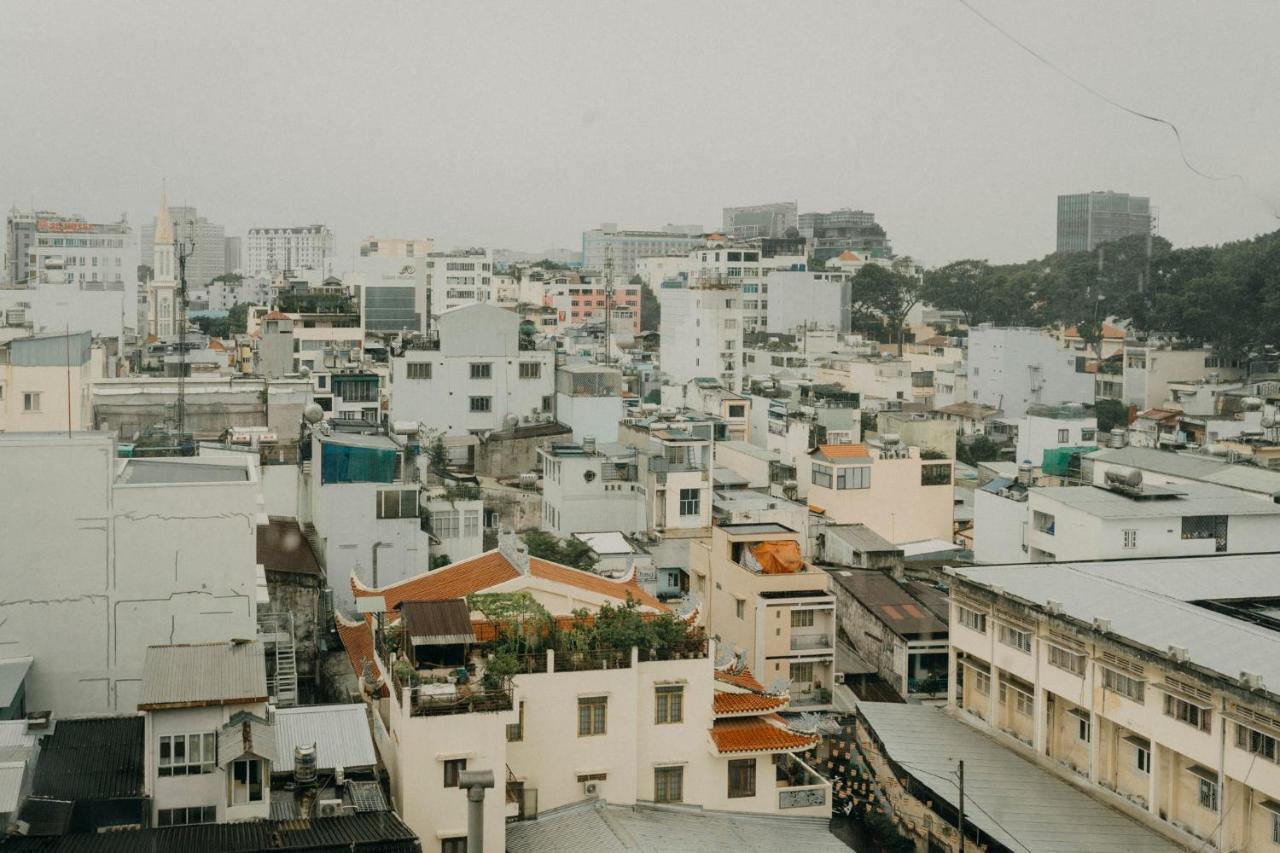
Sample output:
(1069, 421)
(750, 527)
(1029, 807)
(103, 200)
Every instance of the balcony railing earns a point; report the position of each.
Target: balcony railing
(811, 641)
(465, 701)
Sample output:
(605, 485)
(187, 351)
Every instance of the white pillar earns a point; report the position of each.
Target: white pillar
(952, 670)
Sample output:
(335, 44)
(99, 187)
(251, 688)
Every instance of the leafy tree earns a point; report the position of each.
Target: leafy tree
(650, 309)
(1110, 414)
(548, 264)
(214, 327)
(567, 552)
(963, 286)
(887, 295)
(145, 273)
(439, 561)
(979, 449)
(816, 264)
(437, 455)
(238, 318)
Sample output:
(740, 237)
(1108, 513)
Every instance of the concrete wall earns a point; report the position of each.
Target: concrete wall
(999, 529)
(896, 506)
(590, 417)
(1010, 368)
(302, 596)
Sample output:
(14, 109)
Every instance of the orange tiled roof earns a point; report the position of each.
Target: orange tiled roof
(843, 451)
(357, 639)
(276, 315)
(586, 580)
(847, 255)
(743, 679)
(746, 703)
(1108, 331)
(754, 734)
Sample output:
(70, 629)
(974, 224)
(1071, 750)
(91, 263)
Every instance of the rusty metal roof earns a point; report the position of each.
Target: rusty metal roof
(437, 623)
(195, 676)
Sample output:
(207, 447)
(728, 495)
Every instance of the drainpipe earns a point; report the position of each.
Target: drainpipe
(475, 782)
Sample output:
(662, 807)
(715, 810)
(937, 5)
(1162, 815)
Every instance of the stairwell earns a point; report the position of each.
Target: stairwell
(275, 630)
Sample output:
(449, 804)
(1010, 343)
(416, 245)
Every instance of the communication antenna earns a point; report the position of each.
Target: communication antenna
(184, 250)
(608, 292)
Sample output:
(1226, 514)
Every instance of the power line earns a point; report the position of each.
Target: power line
(1101, 96)
(971, 801)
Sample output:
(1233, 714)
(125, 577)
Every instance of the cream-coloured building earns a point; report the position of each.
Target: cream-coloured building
(890, 489)
(36, 376)
(762, 601)
(1150, 683)
(621, 726)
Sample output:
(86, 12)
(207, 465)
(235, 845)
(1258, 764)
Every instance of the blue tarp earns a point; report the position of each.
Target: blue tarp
(345, 464)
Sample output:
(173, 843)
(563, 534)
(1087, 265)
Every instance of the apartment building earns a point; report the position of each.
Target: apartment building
(292, 249)
(1150, 367)
(805, 299)
(766, 604)
(620, 248)
(880, 380)
(793, 418)
(1165, 467)
(395, 247)
(702, 322)
(45, 382)
(740, 266)
(579, 300)
(1146, 682)
(674, 457)
(761, 220)
(589, 401)
(133, 552)
(41, 245)
(475, 373)
(457, 278)
(590, 487)
(1050, 428)
(1011, 368)
(890, 488)
(710, 397)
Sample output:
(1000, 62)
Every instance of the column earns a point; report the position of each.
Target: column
(1153, 783)
(952, 669)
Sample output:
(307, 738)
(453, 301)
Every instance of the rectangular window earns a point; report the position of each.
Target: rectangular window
(515, 731)
(471, 523)
(398, 503)
(446, 525)
(481, 404)
(452, 768)
(742, 777)
(1082, 729)
(187, 755)
(821, 476)
(591, 716)
(740, 608)
(802, 673)
(690, 501)
(1024, 703)
(418, 370)
(1275, 828)
(802, 618)
(1209, 795)
(1142, 759)
(981, 683)
(1088, 435)
(548, 403)
(972, 619)
(856, 477)
(453, 845)
(1130, 539)
(1125, 685)
(1184, 711)
(1256, 742)
(1064, 436)
(481, 370)
(668, 784)
(30, 401)
(1012, 637)
(669, 704)
(935, 475)
(1068, 660)
(1206, 527)
(246, 781)
(187, 816)
(530, 370)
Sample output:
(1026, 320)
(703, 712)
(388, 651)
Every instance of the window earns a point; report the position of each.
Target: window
(1275, 828)
(668, 784)
(1082, 729)
(1087, 435)
(1206, 527)
(1130, 538)
(742, 777)
(690, 501)
(548, 403)
(1125, 685)
(1142, 759)
(515, 731)
(1012, 637)
(802, 673)
(471, 523)
(935, 475)
(856, 477)
(1023, 702)
(1064, 436)
(821, 475)
(669, 707)
(972, 619)
(446, 524)
(187, 816)
(801, 618)
(1256, 742)
(1192, 715)
(481, 370)
(1209, 795)
(187, 755)
(530, 370)
(1068, 660)
(981, 683)
(398, 503)
(737, 410)
(481, 404)
(452, 768)
(591, 715)
(246, 781)
(418, 370)
(30, 401)
(453, 845)
(740, 608)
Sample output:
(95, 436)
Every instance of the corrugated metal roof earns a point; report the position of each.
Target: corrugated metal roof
(46, 816)
(593, 827)
(1192, 467)
(437, 622)
(283, 548)
(56, 350)
(1198, 499)
(340, 734)
(1010, 799)
(96, 758)
(888, 601)
(1147, 602)
(208, 674)
(12, 673)
(11, 775)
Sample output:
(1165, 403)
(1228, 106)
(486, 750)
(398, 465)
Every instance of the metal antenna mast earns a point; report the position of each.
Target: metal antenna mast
(184, 250)
(608, 292)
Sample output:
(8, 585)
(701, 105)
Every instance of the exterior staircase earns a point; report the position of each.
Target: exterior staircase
(275, 630)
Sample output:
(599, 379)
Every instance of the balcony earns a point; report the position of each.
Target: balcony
(799, 786)
(811, 642)
(813, 697)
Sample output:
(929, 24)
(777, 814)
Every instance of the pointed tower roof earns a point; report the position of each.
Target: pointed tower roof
(164, 224)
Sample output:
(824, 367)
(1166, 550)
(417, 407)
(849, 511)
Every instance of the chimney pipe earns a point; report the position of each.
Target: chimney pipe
(474, 782)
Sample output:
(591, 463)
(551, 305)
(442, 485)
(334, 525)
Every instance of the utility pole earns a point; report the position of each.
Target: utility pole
(962, 805)
(608, 292)
(184, 251)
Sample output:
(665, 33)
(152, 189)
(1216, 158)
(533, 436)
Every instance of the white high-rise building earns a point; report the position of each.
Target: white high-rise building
(458, 278)
(271, 250)
(702, 321)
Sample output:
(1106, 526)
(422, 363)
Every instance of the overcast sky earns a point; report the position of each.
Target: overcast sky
(517, 125)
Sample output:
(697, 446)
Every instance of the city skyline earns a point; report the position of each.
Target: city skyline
(953, 129)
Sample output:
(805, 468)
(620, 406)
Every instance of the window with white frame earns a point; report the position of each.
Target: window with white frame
(31, 401)
(1082, 727)
(246, 781)
(187, 755)
(669, 703)
(972, 619)
(418, 370)
(186, 816)
(690, 501)
(801, 618)
(802, 673)
(1064, 436)
(1014, 638)
(981, 683)
(1066, 659)
(1125, 685)
(1142, 759)
(471, 523)
(446, 524)
(1184, 711)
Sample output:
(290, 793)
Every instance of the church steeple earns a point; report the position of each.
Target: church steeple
(163, 249)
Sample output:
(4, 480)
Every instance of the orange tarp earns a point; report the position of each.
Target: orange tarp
(778, 558)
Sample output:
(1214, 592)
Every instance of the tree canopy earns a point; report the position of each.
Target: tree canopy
(886, 295)
(567, 552)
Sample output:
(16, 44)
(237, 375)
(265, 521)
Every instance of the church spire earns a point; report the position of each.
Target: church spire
(164, 223)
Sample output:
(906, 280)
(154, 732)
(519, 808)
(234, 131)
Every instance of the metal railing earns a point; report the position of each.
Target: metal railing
(811, 641)
(485, 700)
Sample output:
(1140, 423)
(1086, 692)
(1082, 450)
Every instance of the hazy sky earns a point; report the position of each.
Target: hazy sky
(518, 125)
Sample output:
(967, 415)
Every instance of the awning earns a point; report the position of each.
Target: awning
(1204, 773)
(1139, 742)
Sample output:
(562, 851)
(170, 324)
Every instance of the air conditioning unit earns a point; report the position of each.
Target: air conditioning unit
(1251, 680)
(592, 789)
(328, 808)
(838, 678)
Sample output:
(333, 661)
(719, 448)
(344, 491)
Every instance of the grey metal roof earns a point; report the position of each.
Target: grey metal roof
(11, 774)
(1192, 467)
(15, 741)
(748, 449)
(1197, 499)
(859, 537)
(93, 758)
(208, 674)
(340, 734)
(598, 828)
(442, 622)
(1147, 602)
(149, 471)
(670, 554)
(1006, 796)
(12, 672)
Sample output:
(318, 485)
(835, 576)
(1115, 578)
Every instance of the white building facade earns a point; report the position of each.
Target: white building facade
(1011, 368)
(272, 250)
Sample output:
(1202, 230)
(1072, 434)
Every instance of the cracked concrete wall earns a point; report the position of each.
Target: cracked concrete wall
(95, 572)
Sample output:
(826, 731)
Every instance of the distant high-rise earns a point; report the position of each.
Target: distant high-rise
(761, 220)
(623, 247)
(208, 260)
(1087, 219)
(383, 247)
(272, 250)
(844, 230)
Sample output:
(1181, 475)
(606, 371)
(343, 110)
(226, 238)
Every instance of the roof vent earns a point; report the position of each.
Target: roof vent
(997, 589)
(1252, 680)
(1102, 625)
(1053, 606)
(1179, 654)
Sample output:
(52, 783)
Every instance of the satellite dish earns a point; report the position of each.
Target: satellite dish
(313, 414)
